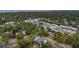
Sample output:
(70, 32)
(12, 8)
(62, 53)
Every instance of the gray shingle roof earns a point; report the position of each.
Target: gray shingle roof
(39, 39)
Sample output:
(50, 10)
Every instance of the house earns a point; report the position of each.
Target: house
(38, 40)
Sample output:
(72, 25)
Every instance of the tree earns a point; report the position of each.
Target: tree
(22, 43)
(7, 27)
(75, 44)
(43, 32)
(6, 37)
(60, 37)
(61, 21)
(30, 28)
(1, 40)
(19, 36)
(13, 31)
(45, 44)
(26, 43)
(72, 40)
(31, 38)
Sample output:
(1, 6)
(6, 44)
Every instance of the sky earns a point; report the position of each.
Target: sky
(2, 11)
(39, 4)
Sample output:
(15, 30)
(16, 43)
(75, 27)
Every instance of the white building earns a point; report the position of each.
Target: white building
(60, 28)
(34, 21)
(10, 22)
(53, 27)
